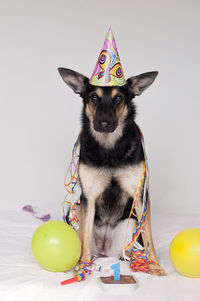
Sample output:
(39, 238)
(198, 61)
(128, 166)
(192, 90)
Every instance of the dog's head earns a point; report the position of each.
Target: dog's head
(106, 107)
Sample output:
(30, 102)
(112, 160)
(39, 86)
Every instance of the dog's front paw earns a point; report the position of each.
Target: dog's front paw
(153, 266)
(155, 269)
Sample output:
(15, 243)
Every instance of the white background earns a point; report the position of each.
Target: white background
(40, 116)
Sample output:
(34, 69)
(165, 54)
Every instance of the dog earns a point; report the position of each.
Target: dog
(111, 161)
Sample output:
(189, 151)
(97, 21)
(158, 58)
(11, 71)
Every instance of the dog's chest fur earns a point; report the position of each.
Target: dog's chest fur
(109, 177)
(111, 190)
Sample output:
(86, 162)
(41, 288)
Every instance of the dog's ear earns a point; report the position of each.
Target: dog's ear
(74, 80)
(139, 83)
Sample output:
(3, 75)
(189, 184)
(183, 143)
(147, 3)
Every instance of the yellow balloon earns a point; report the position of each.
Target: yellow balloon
(185, 252)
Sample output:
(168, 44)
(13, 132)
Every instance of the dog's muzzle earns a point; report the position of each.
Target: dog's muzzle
(104, 127)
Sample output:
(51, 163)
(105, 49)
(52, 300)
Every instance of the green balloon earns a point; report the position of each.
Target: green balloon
(56, 246)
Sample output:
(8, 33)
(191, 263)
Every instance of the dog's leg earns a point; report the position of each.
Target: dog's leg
(129, 179)
(147, 237)
(93, 183)
(87, 220)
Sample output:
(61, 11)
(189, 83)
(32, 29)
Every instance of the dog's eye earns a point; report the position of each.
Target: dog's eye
(118, 99)
(94, 98)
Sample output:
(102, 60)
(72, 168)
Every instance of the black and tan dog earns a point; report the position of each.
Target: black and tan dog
(111, 159)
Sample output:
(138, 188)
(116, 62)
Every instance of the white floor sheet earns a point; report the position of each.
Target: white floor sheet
(21, 278)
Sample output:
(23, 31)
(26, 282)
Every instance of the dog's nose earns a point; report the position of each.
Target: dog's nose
(104, 124)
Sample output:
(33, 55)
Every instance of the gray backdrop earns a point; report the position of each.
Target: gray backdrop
(39, 115)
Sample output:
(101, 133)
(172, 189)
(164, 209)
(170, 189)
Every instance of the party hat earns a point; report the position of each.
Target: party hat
(108, 70)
